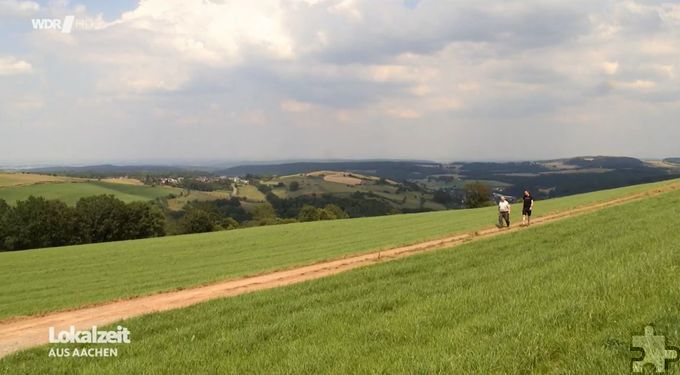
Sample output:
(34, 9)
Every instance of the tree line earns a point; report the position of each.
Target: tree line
(37, 222)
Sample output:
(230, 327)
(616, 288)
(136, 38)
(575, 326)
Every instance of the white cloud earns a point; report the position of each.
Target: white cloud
(610, 68)
(10, 66)
(344, 68)
(639, 84)
(15, 8)
(290, 105)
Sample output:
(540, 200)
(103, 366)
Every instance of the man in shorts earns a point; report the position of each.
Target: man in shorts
(503, 212)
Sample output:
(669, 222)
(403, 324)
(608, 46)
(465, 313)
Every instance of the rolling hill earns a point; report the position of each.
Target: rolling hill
(167, 263)
(70, 192)
(562, 297)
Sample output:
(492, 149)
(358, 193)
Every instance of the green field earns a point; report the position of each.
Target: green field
(251, 193)
(560, 298)
(37, 281)
(178, 203)
(22, 179)
(316, 185)
(70, 192)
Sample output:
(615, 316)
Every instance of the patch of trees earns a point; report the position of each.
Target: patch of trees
(210, 216)
(328, 212)
(38, 223)
(357, 204)
(294, 186)
(263, 188)
(210, 185)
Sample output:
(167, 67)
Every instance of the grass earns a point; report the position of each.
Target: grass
(70, 192)
(178, 203)
(251, 193)
(316, 185)
(38, 281)
(21, 179)
(560, 298)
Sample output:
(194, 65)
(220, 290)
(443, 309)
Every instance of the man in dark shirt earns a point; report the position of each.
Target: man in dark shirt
(527, 207)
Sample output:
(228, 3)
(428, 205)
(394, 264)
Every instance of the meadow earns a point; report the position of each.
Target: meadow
(21, 179)
(71, 192)
(39, 281)
(318, 185)
(563, 297)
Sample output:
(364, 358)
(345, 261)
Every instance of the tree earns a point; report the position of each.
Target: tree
(336, 211)
(309, 213)
(294, 186)
(198, 221)
(102, 218)
(442, 196)
(37, 223)
(477, 194)
(144, 220)
(264, 212)
(5, 212)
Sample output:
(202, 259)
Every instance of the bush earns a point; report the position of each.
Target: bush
(294, 186)
(309, 213)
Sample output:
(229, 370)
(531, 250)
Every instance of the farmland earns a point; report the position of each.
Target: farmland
(22, 179)
(344, 184)
(70, 192)
(582, 287)
(190, 260)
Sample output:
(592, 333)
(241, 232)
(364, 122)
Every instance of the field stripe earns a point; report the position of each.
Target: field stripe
(21, 333)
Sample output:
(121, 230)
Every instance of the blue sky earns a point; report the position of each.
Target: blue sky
(306, 79)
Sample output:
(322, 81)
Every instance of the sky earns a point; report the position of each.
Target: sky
(191, 80)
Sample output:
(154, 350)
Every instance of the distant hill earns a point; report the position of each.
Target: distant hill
(395, 170)
(108, 170)
(610, 162)
(672, 160)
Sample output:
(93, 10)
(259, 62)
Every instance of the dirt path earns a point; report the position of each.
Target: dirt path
(22, 333)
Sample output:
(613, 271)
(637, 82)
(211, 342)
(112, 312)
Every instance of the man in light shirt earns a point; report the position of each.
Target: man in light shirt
(503, 212)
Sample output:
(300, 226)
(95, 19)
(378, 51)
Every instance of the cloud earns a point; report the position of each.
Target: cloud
(14, 8)
(430, 79)
(610, 68)
(12, 66)
(295, 106)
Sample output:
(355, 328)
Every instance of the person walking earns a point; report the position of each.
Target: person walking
(526, 208)
(503, 212)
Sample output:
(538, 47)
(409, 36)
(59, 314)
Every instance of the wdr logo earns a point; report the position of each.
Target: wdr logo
(54, 24)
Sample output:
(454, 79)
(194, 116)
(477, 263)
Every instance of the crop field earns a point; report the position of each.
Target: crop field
(331, 183)
(38, 281)
(70, 192)
(564, 297)
(22, 179)
(251, 193)
(181, 200)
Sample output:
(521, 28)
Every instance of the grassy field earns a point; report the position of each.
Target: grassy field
(22, 179)
(560, 298)
(70, 192)
(318, 185)
(178, 203)
(251, 193)
(38, 281)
